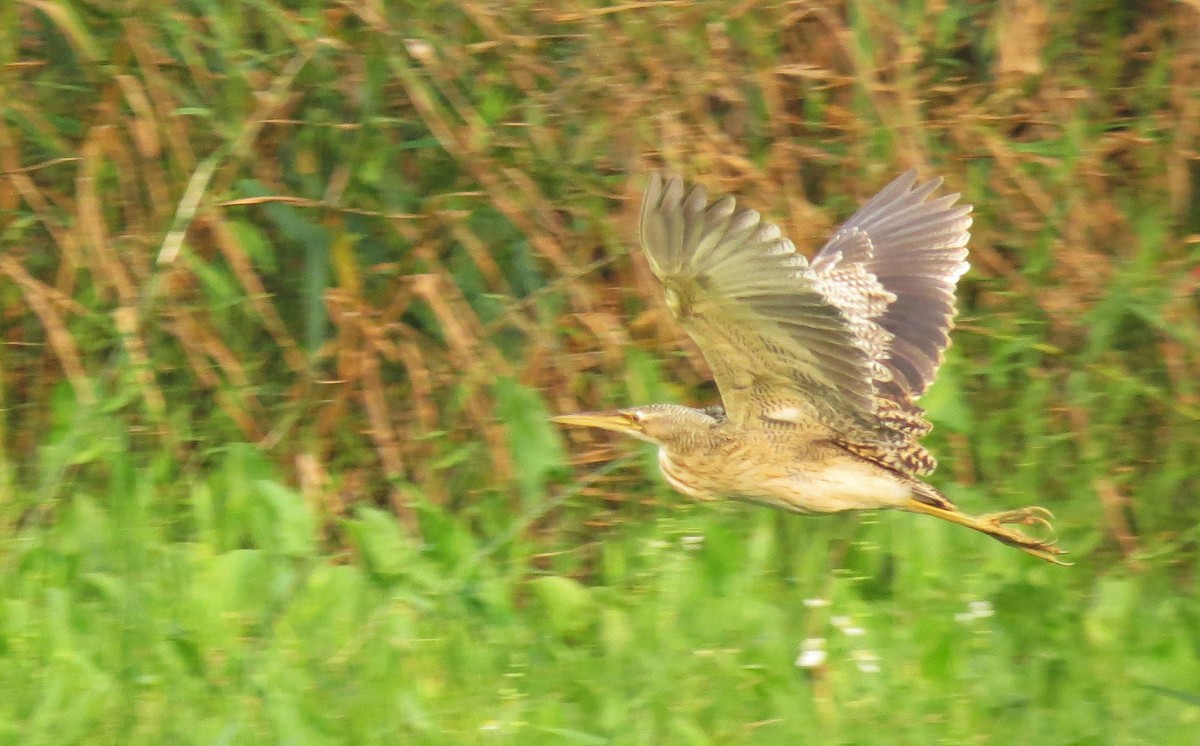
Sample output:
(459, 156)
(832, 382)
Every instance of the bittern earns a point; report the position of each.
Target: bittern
(819, 364)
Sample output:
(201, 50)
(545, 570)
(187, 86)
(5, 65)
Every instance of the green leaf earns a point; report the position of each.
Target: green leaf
(1105, 621)
(1166, 691)
(380, 542)
(616, 631)
(256, 245)
(221, 288)
(567, 604)
(537, 448)
(287, 526)
(644, 378)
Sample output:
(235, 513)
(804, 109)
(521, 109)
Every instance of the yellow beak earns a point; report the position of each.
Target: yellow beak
(617, 421)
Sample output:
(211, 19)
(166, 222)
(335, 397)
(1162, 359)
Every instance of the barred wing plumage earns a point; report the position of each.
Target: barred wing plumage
(916, 248)
(777, 346)
(846, 342)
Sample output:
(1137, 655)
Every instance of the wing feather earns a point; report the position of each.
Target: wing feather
(916, 249)
(869, 317)
(755, 308)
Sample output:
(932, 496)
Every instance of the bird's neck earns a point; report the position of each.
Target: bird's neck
(699, 433)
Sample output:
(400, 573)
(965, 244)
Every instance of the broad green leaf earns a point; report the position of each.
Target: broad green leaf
(381, 544)
(537, 447)
(290, 527)
(568, 605)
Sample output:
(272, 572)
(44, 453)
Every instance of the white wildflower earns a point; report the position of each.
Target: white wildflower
(981, 609)
(975, 610)
(866, 660)
(812, 653)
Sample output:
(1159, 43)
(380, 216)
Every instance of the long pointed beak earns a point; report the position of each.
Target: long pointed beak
(617, 421)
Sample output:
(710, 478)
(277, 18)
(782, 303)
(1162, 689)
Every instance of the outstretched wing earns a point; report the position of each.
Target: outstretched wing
(916, 248)
(778, 347)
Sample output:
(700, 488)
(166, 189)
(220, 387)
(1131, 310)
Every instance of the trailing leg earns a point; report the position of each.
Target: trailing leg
(1000, 526)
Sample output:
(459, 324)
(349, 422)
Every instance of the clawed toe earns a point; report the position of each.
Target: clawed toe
(1003, 527)
(1002, 524)
(1032, 516)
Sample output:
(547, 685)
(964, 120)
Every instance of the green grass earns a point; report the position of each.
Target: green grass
(206, 606)
(288, 290)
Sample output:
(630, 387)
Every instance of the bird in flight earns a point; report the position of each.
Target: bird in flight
(819, 364)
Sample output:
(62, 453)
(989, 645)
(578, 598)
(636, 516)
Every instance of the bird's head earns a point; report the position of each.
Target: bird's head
(661, 424)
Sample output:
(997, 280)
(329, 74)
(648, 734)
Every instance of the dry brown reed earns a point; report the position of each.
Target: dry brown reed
(121, 199)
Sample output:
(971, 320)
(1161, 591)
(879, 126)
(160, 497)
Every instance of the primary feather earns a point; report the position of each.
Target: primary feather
(754, 307)
(842, 345)
(917, 249)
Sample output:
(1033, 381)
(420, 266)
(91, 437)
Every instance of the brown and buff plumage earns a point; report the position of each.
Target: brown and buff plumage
(819, 364)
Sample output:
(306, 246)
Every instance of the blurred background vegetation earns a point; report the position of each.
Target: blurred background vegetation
(289, 287)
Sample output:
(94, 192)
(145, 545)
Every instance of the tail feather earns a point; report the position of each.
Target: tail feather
(928, 495)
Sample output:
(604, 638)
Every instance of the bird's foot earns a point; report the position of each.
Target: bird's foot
(1000, 526)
